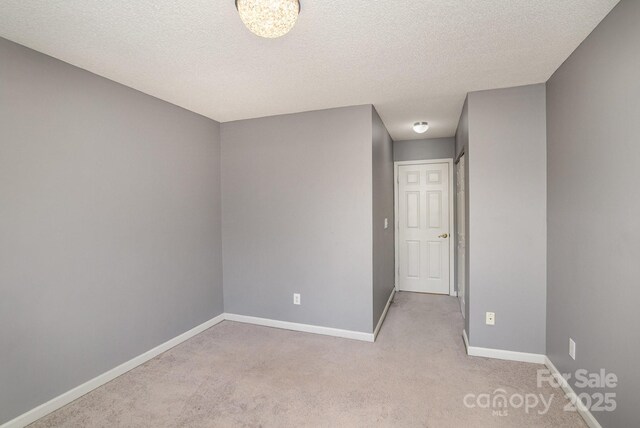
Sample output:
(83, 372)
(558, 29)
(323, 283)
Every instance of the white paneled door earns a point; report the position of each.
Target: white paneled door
(423, 228)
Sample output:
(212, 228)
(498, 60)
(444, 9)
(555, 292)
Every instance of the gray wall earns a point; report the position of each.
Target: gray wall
(428, 148)
(593, 114)
(297, 217)
(507, 218)
(109, 223)
(383, 239)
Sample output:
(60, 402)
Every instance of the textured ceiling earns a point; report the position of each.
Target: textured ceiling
(412, 60)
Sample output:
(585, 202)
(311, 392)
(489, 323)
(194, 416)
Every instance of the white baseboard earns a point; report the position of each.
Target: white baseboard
(384, 314)
(307, 328)
(453, 294)
(583, 410)
(466, 340)
(77, 392)
(501, 354)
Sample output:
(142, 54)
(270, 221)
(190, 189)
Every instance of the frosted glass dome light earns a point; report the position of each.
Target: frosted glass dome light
(269, 18)
(420, 127)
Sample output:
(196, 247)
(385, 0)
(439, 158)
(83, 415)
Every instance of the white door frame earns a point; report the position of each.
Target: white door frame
(452, 290)
(460, 222)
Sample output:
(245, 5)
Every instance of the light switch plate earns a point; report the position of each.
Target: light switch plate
(572, 348)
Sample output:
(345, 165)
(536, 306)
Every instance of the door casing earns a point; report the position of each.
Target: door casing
(452, 225)
(460, 229)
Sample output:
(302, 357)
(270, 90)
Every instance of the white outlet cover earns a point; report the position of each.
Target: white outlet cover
(296, 298)
(491, 318)
(572, 348)
(386, 223)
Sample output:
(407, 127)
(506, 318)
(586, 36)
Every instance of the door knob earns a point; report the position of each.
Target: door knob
(444, 235)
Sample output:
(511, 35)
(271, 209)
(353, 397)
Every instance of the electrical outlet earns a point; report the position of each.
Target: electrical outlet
(491, 318)
(296, 298)
(572, 348)
(386, 223)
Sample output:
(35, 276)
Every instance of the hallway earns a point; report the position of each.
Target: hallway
(416, 375)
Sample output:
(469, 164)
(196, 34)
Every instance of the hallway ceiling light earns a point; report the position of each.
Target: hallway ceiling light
(420, 127)
(269, 18)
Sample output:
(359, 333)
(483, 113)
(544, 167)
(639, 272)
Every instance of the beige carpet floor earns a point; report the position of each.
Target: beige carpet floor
(237, 375)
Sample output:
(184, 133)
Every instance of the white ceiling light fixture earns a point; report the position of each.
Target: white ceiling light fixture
(269, 18)
(420, 127)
